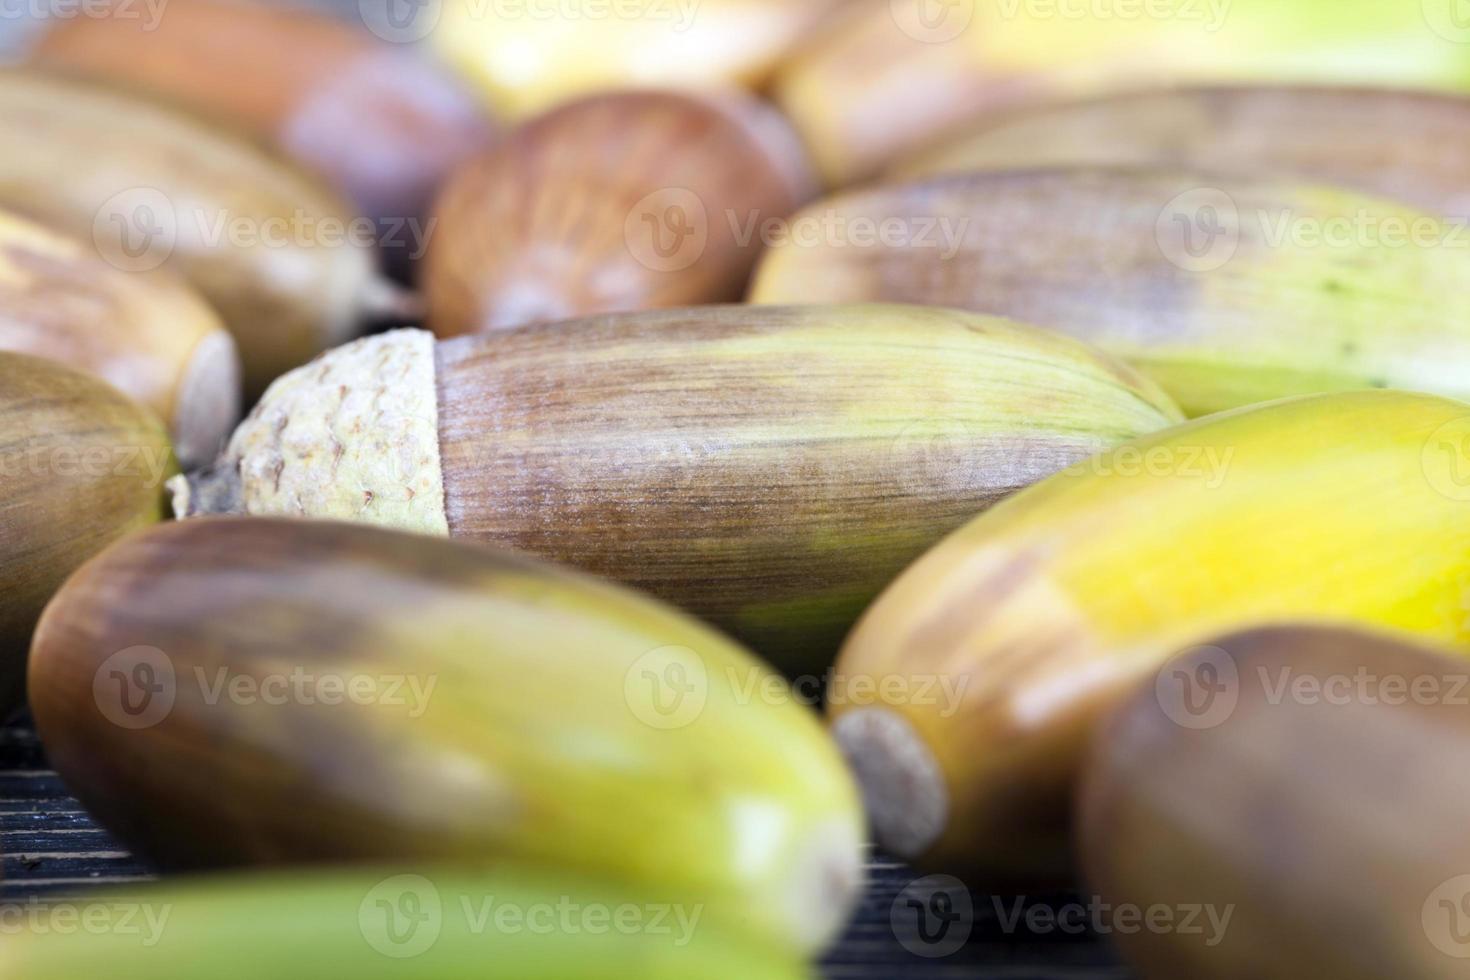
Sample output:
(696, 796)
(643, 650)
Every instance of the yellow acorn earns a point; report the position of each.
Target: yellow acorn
(995, 653)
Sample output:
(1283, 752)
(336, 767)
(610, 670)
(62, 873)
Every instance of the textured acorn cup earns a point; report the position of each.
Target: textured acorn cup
(274, 252)
(380, 121)
(627, 201)
(1410, 146)
(704, 45)
(148, 335)
(1001, 646)
(1325, 818)
(80, 466)
(768, 469)
(1228, 291)
(518, 712)
(893, 77)
(508, 923)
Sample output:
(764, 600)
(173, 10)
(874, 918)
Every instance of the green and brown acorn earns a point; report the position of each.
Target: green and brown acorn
(240, 691)
(147, 334)
(769, 469)
(287, 264)
(80, 466)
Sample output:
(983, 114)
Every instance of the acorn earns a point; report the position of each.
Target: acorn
(147, 334)
(286, 264)
(1227, 290)
(624, 201)
(994, 655)
(382, 122)
(387, 923)
(80, 466)
(241, 691)
(1410, 146)
(526, 57)
(1292, 802)
(770, 469)
(889, 78)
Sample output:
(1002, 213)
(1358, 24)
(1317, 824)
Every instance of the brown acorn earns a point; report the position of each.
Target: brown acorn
(1289, 803)
(381, 122)
(625, 201)
(287, 265)
(147, 334)
(251, 691)
(80, 466)
(770, 469)
(1410, 146)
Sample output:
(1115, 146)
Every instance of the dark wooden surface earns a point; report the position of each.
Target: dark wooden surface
(51, 846)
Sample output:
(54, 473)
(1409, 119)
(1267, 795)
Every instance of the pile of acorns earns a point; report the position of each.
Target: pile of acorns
(936, 472)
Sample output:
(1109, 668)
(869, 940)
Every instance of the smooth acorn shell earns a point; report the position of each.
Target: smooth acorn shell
(1308, 786)
(280, 257)
(505, 923)
(147, 334)
(80, 466)
(1410, 146)
(624, 201)
(539, 716)
(1226, 290)
(769, 469)
(528, 58)
(1003, 646)
(382, 122)
(887, 79)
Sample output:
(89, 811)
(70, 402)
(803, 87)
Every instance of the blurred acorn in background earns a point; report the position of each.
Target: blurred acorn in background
(527, 56)
(1410, 146)
(1044, 611)
(768, 469)
(1301, 794)
(380, 120)
(892, 75)
(624, 201)
(147, 334)
(1225, 290)
(287, 265)
(253, 691)
(80, 466)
